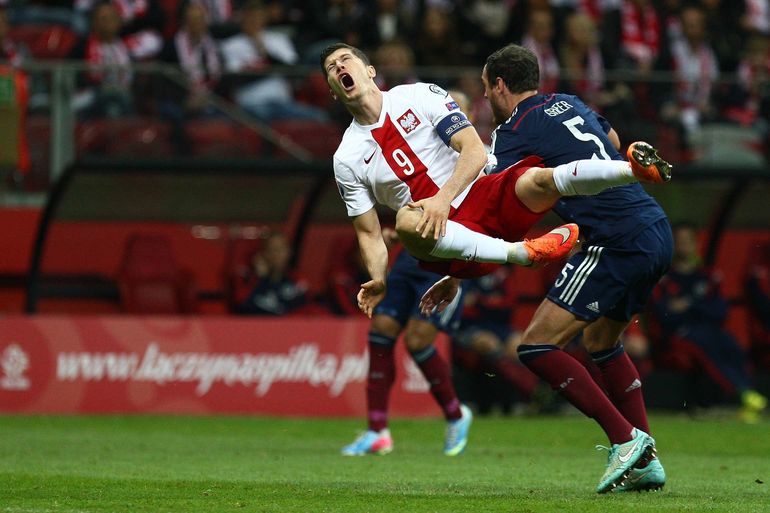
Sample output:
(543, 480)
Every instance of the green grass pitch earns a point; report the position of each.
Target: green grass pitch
(250, 464)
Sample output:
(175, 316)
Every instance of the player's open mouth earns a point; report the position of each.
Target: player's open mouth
(347, 82)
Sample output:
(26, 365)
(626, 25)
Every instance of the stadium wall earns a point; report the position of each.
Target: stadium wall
(195, 365)
(96, 248)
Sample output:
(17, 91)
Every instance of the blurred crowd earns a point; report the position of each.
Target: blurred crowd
(610, 52)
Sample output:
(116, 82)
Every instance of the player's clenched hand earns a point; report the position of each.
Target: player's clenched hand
(435, 211)
(370, 295)
(439, 295)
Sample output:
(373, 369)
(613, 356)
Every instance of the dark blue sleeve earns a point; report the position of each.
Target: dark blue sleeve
(605, 124)
(511, 146)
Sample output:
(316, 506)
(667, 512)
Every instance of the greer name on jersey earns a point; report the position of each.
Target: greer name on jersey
(405, 156)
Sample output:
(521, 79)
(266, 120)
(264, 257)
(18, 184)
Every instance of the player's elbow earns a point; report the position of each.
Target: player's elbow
(471, 149)
(478, 156)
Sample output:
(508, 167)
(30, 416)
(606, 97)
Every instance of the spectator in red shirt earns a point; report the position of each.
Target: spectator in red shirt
(196, 53)
(11, 52)
(695, 67)
(640, 34)
(539, 39)
(105, 92)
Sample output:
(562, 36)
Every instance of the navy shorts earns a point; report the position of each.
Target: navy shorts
(407, 282)
(615, 281)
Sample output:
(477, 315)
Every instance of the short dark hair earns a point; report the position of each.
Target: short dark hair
(336, 46)
(517, 66)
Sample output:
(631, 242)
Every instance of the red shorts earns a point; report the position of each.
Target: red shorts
(491, 207)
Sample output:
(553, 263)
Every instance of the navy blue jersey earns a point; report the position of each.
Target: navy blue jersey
(557, 129)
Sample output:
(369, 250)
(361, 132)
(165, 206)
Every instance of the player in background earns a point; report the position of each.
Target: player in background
(413, 150)
(398, 313)
(627, 247)
(688, 312)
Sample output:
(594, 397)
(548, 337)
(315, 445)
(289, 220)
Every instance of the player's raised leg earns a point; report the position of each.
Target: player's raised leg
(462, 243)
(540, 188)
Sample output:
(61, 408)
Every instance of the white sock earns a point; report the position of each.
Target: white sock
(586, 177)
(462, 243)
(518, 254)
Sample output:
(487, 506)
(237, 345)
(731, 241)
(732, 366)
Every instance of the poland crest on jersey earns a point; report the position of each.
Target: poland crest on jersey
(408, 121)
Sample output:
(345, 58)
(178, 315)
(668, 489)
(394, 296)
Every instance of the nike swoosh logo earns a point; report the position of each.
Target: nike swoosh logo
(624, 459)
(633, 386)
(366, 161)
(564, 232)
(636, 477)
(574, 171)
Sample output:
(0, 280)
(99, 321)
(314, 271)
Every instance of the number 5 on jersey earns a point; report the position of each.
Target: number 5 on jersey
(572, 125)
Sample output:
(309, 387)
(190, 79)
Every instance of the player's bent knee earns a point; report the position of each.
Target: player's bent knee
(419, 334)
(406, 227)
(417, 341)
(486, 343)
(385, 325)
(593, 346)
(406, 220)
(537, 333)
(537, 190)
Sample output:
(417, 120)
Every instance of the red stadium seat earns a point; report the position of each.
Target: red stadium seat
(45, 41)
(150, 279)
(238, 269)
(125, 137)
(222, 138)
(320, 139)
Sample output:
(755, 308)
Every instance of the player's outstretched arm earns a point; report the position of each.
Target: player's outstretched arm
(374, 254)
(435, 210)
(439, 295)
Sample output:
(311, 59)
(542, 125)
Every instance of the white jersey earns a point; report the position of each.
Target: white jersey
(405, 156)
